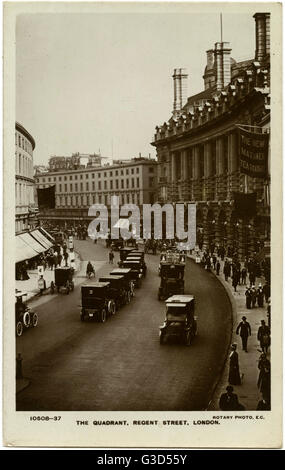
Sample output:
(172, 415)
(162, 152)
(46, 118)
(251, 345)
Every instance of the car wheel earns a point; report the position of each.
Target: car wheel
(19, 328)
(103, 316)
(162, 338)
(35, 320)
(111, 307)
(26, 319)
(188, 338)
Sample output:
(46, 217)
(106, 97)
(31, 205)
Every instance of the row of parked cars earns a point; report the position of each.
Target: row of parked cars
(102, 299)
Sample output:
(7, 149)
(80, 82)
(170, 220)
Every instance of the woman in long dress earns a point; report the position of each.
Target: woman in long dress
(234, 375)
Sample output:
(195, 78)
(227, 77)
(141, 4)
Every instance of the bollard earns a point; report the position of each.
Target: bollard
(19, 371)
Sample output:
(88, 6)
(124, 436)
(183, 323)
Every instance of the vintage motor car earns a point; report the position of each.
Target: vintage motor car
(180, 322)
(118, 290)
(25, 317)
(173, 257)
(128, 278)
(63, 280)
(117, 244)
(136, 271)
(140, 259)
(96, 303)
(124, 252)
(172, 279)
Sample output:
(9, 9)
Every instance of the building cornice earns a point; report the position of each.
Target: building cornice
(24, 131)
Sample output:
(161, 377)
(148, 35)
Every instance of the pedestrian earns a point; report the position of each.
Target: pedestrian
(264, 381)
(41, 284)
(266, 291)
(253, 296)
(227, 270)
(243, 276)
(229, 401)
(65, 255)
(235, 280)
(248, 297)
(111, 257)
(263, 336)
(218, 267)
(260, 295)
(59, 259)
(234, 375)
(244, 330)
(252, 277)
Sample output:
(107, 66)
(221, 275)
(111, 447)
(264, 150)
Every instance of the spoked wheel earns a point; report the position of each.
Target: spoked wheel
(27, 319)
(19, 328)
(35, 320)
(111, 307)
(103, 316)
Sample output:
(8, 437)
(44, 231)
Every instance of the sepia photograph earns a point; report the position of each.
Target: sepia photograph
(138, 241)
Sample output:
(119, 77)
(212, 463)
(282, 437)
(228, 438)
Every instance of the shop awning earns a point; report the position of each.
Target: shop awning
(30, 241)
(41, 239)
(23, 251)
(47, 235)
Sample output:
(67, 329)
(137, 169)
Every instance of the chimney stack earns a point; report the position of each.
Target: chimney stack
(180, 90)
(262, 36)
(223, 64)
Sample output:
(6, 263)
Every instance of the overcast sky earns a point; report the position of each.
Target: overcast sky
(85, 80)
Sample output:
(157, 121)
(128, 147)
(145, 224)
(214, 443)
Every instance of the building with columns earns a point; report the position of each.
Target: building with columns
(198, 147)
(26, 209)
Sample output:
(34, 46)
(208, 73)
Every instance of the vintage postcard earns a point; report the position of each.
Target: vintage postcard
(142, 225)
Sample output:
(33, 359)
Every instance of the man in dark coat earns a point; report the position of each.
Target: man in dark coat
(244, 330)
(229, 401)
(260, 296)
(248, 297)
(263, 336)
(218, 267)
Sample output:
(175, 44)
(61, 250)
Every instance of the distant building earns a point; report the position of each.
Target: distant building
(75, 162)
(134, 182)
(26, 209)
(198, 147)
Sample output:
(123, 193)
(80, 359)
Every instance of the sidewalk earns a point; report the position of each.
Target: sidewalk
(30, 286)
(247, 392)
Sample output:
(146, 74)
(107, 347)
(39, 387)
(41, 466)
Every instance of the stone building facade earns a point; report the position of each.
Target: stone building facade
(26, 210)
(198, 148)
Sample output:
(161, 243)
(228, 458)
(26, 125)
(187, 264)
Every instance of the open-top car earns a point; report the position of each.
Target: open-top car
(118, 290)
(172, 279)
(136, 270)
(128, 278)
(25, 317)
(180, 321)
(96, 303)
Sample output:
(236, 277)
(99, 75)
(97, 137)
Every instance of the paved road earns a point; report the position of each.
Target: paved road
(120, 365)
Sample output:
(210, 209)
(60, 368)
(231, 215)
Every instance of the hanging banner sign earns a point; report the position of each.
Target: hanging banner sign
(253, 154)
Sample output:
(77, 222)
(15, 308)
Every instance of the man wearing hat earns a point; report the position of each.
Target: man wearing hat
(244, 330)
(229, 400)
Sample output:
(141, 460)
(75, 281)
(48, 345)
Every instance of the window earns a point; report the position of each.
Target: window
(81, 177)
(138, 170)
(65, 188)
(133, 182)
(75, 177)
(133, 170)
(117, 172)
(49, 180)
(150, 169)
(111, 184)
(105, 174)
(99, 185)
(86, 176)
(19, 140)
(70, 177)
(76, 187)
(122, 172)
(117, 184)
(99, 175)
(138, 182)
(122, 184)
(87, 186)
(44, 180)
(151, 181)
(60, 188)
(59, 178)
(127, 171)
(105, 184)
(94, 198)
(93, 186)
(65, 178)
(111, 173)
(71, 187)
(127, 183)
(93, 175)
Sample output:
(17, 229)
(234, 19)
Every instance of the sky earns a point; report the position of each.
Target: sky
(94, 81)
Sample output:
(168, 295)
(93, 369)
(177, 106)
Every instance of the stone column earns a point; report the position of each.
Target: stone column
(233, 152)
(173, 168)
(196, 173)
